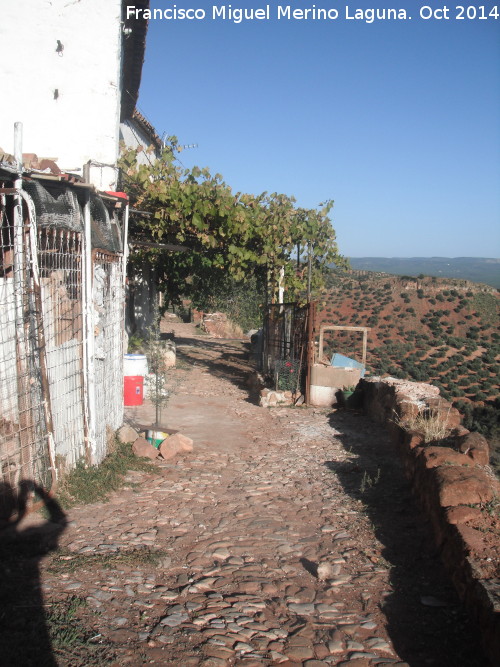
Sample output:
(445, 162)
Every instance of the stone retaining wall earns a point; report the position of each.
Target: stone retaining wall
(456, 488)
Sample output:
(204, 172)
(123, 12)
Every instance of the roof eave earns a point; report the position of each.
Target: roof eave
(134, 48)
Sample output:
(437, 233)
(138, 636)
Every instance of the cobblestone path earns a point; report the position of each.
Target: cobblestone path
(288, 537)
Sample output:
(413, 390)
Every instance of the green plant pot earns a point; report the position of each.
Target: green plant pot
(346, 398)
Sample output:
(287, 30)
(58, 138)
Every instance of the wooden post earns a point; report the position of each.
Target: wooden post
(365, 342)
(327, 327)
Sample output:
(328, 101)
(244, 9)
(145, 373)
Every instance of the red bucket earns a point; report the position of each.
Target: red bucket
(133, 390)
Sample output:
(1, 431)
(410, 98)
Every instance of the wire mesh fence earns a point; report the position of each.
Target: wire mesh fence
(60, 259)
(108, 306)
(47, 319)
(24, 450)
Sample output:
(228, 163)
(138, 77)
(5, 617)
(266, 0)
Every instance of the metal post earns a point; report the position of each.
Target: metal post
(311, 317)
(42, 348)
(125, 243)
(20, 291)
(309, 271)
(88, 330)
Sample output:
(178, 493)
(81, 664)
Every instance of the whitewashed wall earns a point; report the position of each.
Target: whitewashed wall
(83, 122)
(134, 137)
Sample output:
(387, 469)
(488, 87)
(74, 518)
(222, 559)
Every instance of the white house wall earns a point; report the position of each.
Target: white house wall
(68, 102)
(134, 137)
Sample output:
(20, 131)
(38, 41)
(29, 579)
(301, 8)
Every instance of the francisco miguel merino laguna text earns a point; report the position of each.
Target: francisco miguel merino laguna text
(281, 12)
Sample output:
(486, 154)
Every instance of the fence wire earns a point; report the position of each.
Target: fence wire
(60, 261)
(24, 453)
(44, 405)
(108, 298)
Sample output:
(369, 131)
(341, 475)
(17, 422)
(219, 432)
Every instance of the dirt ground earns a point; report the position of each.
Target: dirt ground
(287, 537)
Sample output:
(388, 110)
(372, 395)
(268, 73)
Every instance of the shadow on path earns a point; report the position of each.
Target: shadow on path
(426, 621)
(222, 360)
(24, 636)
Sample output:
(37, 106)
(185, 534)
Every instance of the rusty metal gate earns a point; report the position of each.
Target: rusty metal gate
(286, 344)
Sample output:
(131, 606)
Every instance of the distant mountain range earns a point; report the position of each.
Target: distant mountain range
(477, 269)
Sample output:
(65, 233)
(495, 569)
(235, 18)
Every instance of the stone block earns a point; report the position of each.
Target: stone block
(407, 409)
(413, 439)
(473, 539)
(271, 398)
(142, 447)
(475, 446)
(463, 514)
(439, 456)
(449, 415)
(458, 485)
(127, 434)
(174, 445)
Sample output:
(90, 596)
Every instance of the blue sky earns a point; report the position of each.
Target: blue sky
(397, 121)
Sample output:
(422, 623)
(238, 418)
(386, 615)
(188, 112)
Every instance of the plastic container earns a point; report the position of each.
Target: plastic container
(135, 364)
(133, 387)
(156, 437)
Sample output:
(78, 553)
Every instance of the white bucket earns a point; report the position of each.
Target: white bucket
(323, 397)
(135, 364)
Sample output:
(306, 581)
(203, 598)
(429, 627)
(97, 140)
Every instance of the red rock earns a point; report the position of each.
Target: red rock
(476, 447)
(127, 434)
(407, 408)
(175, 444)
(142, 447)
(458, 485)
(299, 653)
(355, 662)
(413, 439)
(438, 456)
(122, 636)
(321, 651)
(473, 539)
(447, 413)
(462, 514)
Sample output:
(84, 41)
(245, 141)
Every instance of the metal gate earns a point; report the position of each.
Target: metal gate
(287, 338)
(25, 419)
(60, 256)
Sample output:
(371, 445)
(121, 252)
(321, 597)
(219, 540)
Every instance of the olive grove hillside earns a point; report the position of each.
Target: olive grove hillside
(427, 329)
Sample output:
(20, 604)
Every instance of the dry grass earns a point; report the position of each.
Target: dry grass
(431, 423)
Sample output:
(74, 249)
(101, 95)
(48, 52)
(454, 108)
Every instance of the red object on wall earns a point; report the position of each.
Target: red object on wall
(133, 390)
(120, 195)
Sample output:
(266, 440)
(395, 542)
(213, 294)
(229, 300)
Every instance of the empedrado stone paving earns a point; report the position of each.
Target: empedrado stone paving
(268, 555)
